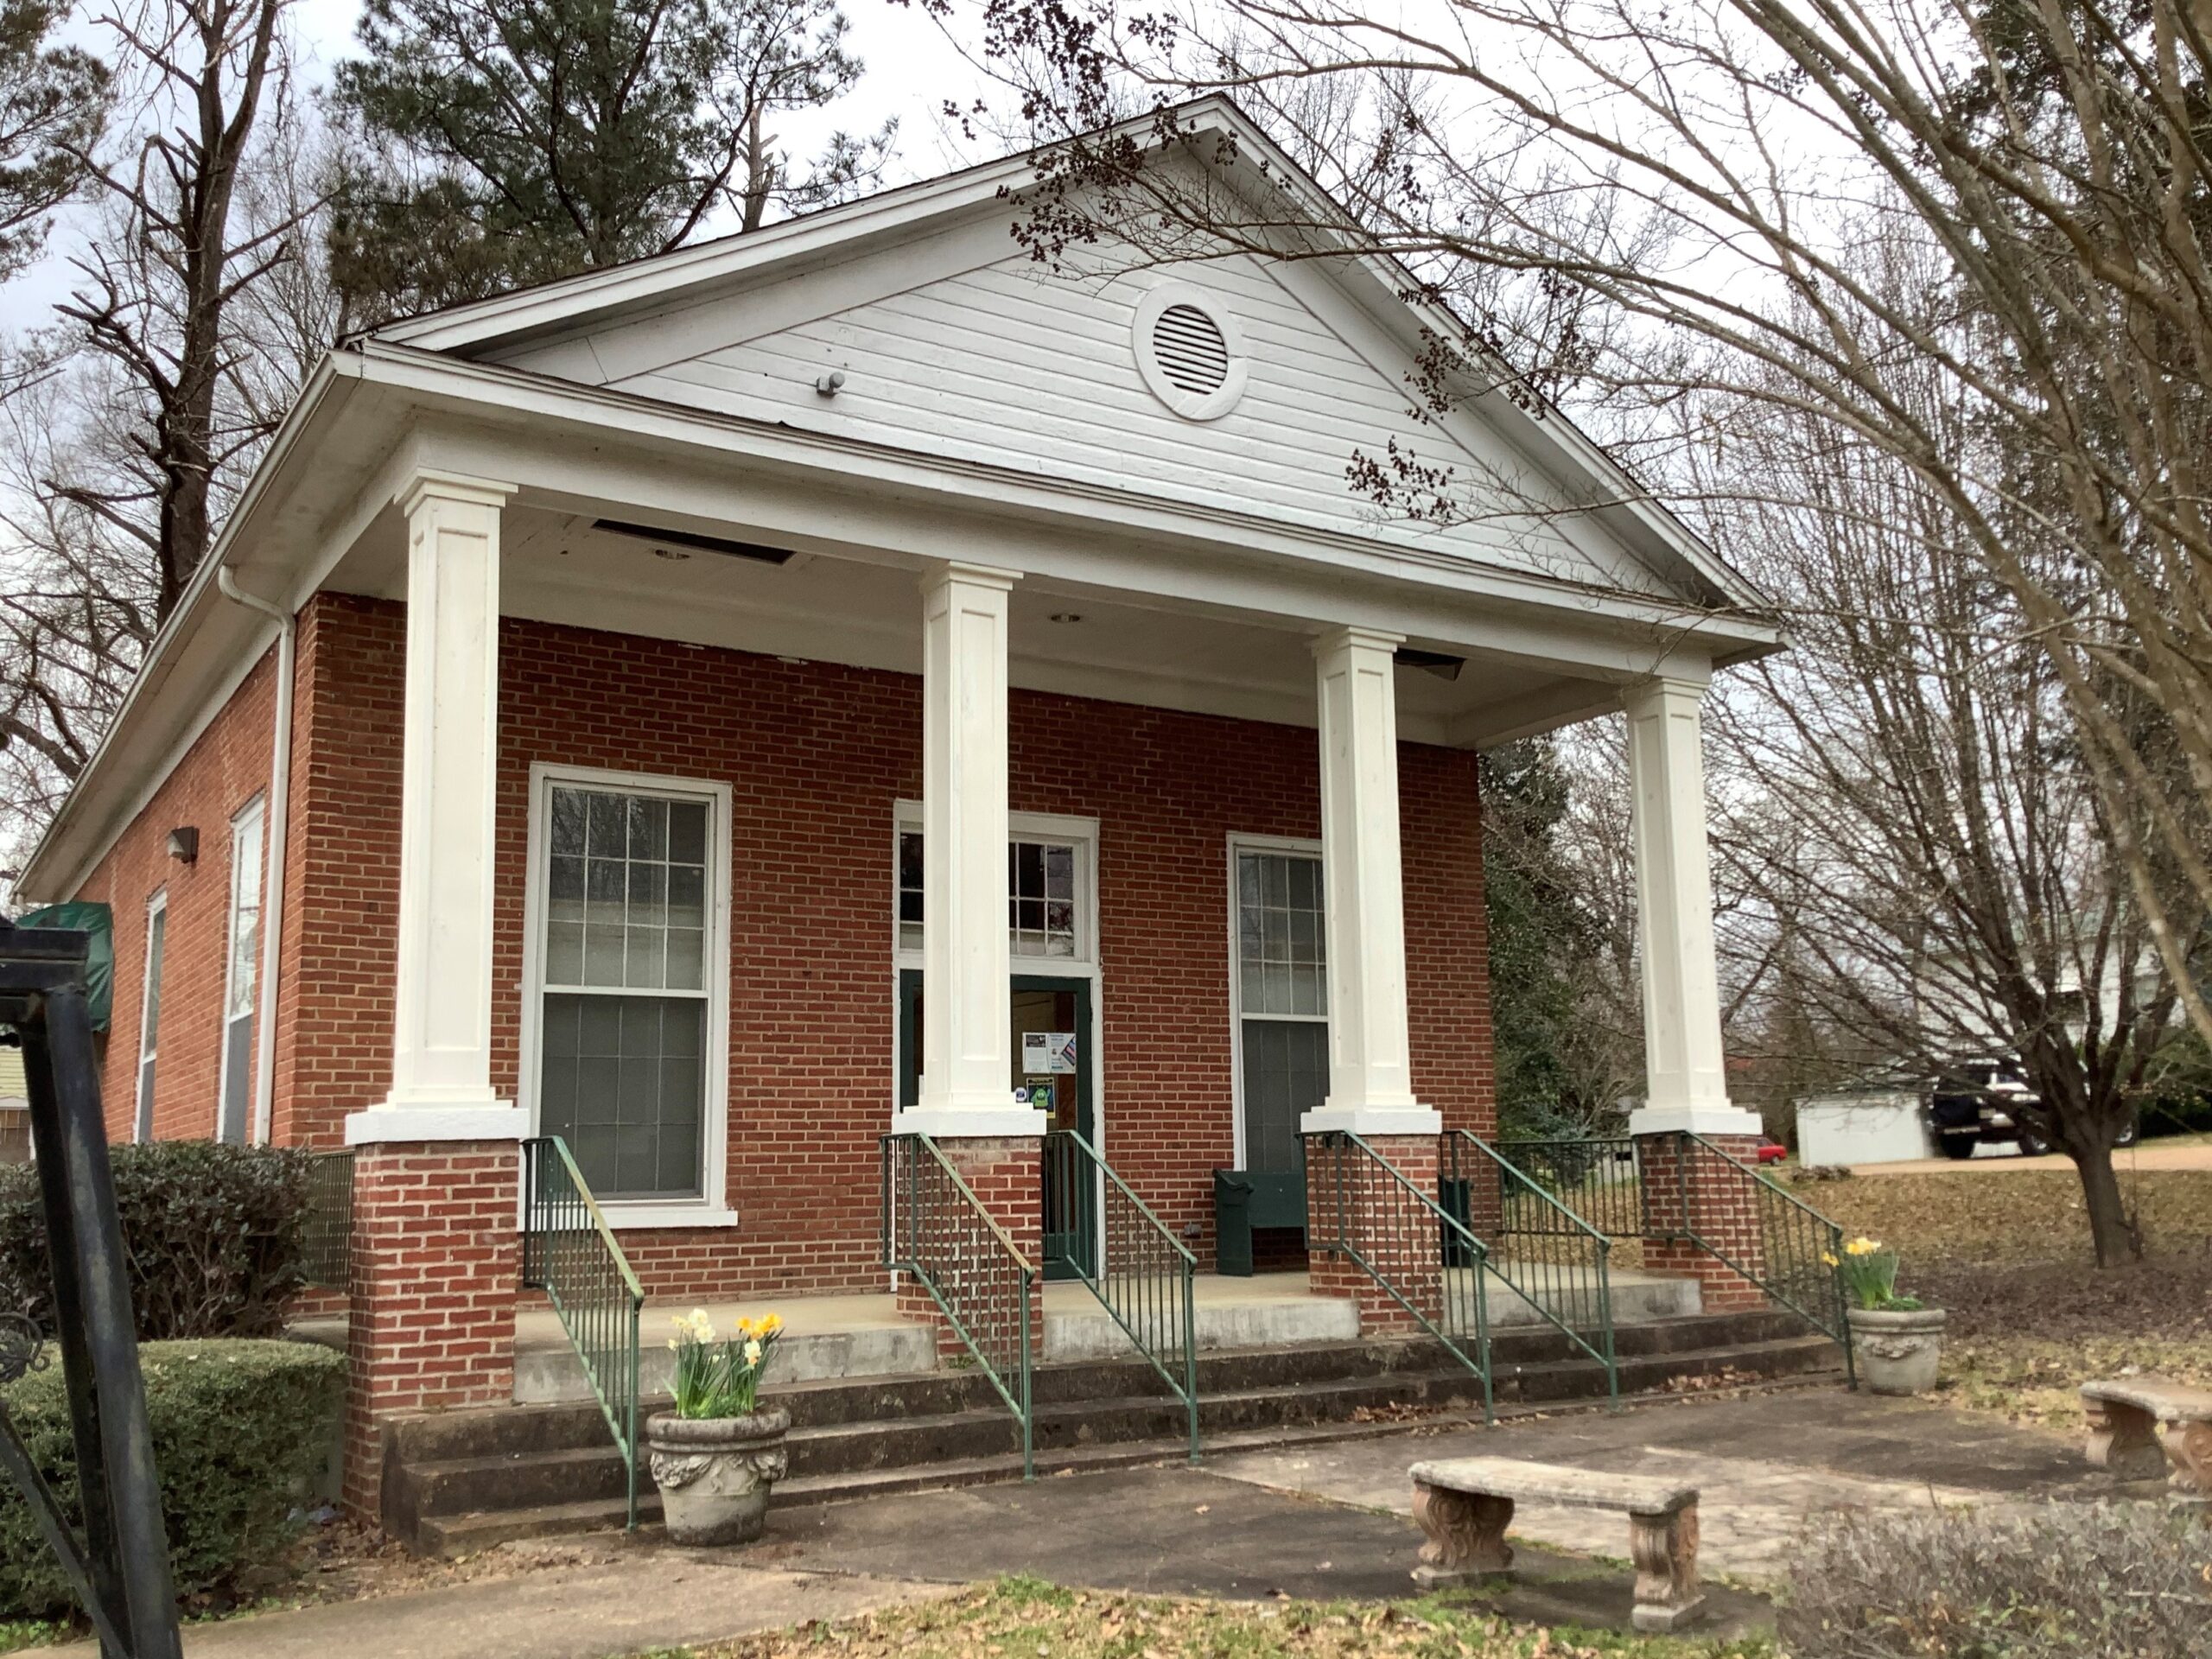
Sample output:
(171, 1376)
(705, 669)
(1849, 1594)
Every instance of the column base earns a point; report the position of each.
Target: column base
(435, 1271)
(1703, 1198)
(1006, 1174)
(1368, 1119)
(971, 1122)
(1411, 1257)
(397, 1120)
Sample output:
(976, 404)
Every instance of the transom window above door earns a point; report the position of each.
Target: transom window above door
(1049, 887)
(631, 982)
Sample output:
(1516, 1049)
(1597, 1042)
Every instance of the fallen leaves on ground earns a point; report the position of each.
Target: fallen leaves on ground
(2032, 1316)
(1018, 1618)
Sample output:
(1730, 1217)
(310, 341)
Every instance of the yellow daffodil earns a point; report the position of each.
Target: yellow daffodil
(771, 1325)
(1862, 1247)
(1830, 1259)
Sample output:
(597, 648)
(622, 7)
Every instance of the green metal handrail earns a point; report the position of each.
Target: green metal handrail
(1564, 1273)
(935, 1228)
(1594, 1177)
(1424, 1258)
(571, 1253)
(326, 1221)
(1143, 1275)
(1800, 1250)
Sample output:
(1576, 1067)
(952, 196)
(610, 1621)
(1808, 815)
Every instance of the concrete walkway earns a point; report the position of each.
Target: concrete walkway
(1328, 1521)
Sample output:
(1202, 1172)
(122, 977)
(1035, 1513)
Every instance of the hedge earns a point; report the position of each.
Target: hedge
(241, 1431)
(212, 1233)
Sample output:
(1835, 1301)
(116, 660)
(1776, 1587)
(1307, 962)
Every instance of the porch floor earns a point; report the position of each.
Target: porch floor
(832, 1337)
(829, 1338)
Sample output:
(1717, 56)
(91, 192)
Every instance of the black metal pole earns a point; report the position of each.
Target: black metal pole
(43, 993)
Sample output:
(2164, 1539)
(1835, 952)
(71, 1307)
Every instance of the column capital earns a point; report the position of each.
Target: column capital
(945, 573)
(1352, 636)
(427, 484)
(1660, 688)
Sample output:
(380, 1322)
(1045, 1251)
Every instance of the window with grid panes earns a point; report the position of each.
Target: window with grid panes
(1282, 1003)
(1042, 915)
(625, 987)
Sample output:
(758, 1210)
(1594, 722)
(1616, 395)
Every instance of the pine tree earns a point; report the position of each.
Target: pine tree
(497, 147)
(52, 99)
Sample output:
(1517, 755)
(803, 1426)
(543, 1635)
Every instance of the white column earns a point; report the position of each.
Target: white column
(1687, 1085)
(1363, 891)
(966, 1071)
(441, 1026)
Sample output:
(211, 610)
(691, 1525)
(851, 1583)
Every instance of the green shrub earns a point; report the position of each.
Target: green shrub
(241, 1430)
(213, 1234)
(2064, 1581)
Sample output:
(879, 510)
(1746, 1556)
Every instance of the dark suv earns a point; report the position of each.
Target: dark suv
(1989, 1101)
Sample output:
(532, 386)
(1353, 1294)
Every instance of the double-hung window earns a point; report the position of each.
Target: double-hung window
(631, 980)
(1281, 997)
(149, 1012)
(242, 975)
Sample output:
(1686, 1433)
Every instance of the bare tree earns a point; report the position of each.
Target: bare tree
(2044, 165)
(1921, 826)
(163, 275)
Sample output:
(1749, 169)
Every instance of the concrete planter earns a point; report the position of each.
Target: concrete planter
(1896, 1350)
(715, 1472)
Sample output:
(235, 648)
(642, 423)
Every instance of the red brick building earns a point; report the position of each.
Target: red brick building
(841, 681)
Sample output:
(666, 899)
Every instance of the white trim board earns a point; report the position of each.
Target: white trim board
(711, 1208)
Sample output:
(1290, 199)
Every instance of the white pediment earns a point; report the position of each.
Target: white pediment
(953, 343)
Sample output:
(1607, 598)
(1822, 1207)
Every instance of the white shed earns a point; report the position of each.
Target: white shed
(1882, 1125)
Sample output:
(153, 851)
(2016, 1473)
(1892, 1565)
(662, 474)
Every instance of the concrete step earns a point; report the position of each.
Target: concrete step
(547, 1372)
(1531, 1293)
(1546, 1387)
(1077, 1326)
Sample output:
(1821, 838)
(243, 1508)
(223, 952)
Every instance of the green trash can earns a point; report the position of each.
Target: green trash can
(1232, 1223)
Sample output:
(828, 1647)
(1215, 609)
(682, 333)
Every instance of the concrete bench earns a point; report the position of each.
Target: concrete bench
(1464, 1504)
(2128, 1417)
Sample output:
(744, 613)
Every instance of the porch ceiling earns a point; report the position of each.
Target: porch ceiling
(559, 568)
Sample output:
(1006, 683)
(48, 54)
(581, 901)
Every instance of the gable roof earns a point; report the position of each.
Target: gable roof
(523, 327)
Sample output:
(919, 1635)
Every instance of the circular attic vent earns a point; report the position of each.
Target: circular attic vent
(1190, 351)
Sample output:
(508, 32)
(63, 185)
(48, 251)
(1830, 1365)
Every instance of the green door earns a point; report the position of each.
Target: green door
(1051, 1035)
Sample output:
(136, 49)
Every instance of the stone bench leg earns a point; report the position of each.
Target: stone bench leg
(1467, 1534)
(2124, 1439)
(1665, 1549)
(2188, 1450)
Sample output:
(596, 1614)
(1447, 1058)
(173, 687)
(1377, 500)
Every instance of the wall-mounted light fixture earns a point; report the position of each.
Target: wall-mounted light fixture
(184, 844)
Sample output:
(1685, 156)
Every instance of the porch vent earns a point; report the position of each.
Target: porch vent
(1190, 351)
(691, 538)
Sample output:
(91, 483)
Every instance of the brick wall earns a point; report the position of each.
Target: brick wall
(432, 1315)
(225, 767)
(816, 755)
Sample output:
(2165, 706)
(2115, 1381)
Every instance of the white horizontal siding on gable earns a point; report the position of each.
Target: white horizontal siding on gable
(1008, 366)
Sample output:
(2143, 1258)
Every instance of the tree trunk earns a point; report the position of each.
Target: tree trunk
(2118, 1239)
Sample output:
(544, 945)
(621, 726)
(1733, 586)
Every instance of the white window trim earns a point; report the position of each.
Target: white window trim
(711, 1208)
(1082, 833)
(141, 1117)
(1244, 844)
(256, 809)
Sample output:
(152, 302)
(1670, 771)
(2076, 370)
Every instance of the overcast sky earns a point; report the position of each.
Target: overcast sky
(913, 70)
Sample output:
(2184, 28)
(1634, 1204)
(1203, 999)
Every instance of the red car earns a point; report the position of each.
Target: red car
(1771, 1152)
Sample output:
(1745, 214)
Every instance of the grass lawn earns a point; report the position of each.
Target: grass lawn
(1026, 1618)
(2032, 1316)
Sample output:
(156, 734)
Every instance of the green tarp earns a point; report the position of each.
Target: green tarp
(99, 921)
